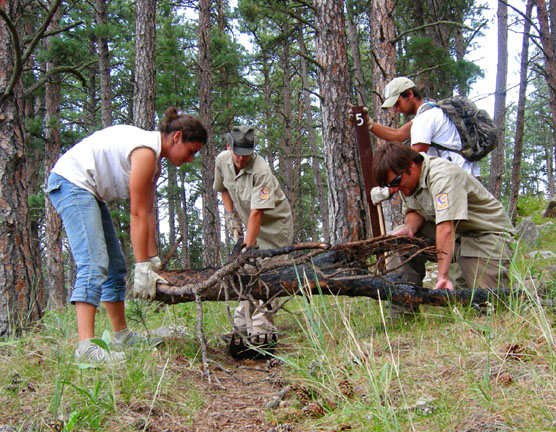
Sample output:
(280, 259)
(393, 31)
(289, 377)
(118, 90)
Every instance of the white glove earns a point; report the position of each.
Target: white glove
(379, 194)
(233, 223)
(370, 121)
(144, 281)
(155, 262)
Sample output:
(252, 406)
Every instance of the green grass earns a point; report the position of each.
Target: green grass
(449, 370)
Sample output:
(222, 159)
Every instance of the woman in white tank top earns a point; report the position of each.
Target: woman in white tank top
(114, 163)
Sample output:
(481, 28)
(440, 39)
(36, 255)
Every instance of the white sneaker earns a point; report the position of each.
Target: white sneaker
(91, 353)
(129, 339)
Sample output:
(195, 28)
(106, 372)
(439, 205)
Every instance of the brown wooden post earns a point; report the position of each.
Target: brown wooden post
(363, 138)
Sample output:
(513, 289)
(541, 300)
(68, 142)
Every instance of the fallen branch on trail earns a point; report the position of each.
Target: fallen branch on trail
(347, 269)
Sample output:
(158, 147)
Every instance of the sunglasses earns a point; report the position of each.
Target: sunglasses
(395, 181)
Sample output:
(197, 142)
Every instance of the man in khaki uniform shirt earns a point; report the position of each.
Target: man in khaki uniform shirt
(445, 203)
(249, 188)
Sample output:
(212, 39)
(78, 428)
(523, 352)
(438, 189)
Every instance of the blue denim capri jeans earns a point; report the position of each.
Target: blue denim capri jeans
(101, 265)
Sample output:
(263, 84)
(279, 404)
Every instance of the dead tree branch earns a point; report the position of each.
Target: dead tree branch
(346, 269)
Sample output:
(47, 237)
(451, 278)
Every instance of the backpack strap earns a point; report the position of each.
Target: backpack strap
(428, 106)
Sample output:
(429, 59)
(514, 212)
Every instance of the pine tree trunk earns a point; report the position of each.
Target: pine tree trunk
(549, 158)
(54, 258)
(104, 68)
(319, 184)
(550, 171)
(359, 80)
(497, 156)
(520, 118)
(31, 105)
(287, 157)
(20, 280)
(145, 62)
(384, 69)
(345, 190)
(172, 198)
(211, 220)
(91, 103)
(548, 41)
(183, 224)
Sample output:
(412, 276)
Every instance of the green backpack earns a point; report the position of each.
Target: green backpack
(475, 127)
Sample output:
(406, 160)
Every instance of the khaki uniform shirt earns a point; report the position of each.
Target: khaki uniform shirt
(255, 187)
(446, 192)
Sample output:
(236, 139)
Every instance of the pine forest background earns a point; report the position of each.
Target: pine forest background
(289, 68)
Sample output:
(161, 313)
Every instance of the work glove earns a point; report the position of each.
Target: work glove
(156, 263)
(351, 117)
(233, 223)
(370, 121)
(379, 194)
(144, 281)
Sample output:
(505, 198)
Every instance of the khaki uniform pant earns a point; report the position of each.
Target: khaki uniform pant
(476, 272)
(256, 319)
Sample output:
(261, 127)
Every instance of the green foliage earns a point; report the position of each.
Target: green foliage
(531, 206)
(428, 48)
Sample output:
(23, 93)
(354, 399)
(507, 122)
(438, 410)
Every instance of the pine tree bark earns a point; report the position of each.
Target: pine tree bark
(288, 162)
(358, 77)
(383, 33)
(211, 220)
(548, 43)
(20, 280)
(319, 183)
(183, 224)
(104, 67)
(497, 156)
(549, 158)
(345, 191)
(91, 103)
(520, 117)
(144, 86)
(172, 197)
(32, 105)
(54, 258)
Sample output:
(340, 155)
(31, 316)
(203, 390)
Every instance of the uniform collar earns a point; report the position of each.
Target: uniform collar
(425, 167)
(247, 169)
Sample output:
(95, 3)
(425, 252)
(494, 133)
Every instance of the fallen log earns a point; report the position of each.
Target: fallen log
(339, 270)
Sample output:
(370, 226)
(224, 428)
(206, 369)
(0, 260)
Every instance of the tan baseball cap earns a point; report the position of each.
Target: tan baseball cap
(394, 89)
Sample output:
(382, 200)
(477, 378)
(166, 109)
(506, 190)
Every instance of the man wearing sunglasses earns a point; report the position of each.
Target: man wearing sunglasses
(450, 207)
(430, 125)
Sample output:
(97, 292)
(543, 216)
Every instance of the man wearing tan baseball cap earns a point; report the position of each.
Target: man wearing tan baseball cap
(394, 89)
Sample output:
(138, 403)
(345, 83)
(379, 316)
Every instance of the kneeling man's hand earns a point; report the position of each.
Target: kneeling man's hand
(444, 283)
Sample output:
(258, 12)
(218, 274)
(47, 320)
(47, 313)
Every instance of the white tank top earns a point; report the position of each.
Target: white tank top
(100, 163)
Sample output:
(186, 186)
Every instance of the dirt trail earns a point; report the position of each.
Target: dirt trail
(236, 399)
(240, 405)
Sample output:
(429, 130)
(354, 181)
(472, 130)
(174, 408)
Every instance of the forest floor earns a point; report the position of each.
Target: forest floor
(237, 396)
(335, 369)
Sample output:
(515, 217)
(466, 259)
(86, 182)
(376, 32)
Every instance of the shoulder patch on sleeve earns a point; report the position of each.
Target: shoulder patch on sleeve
(264, 193)
(441, 201)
